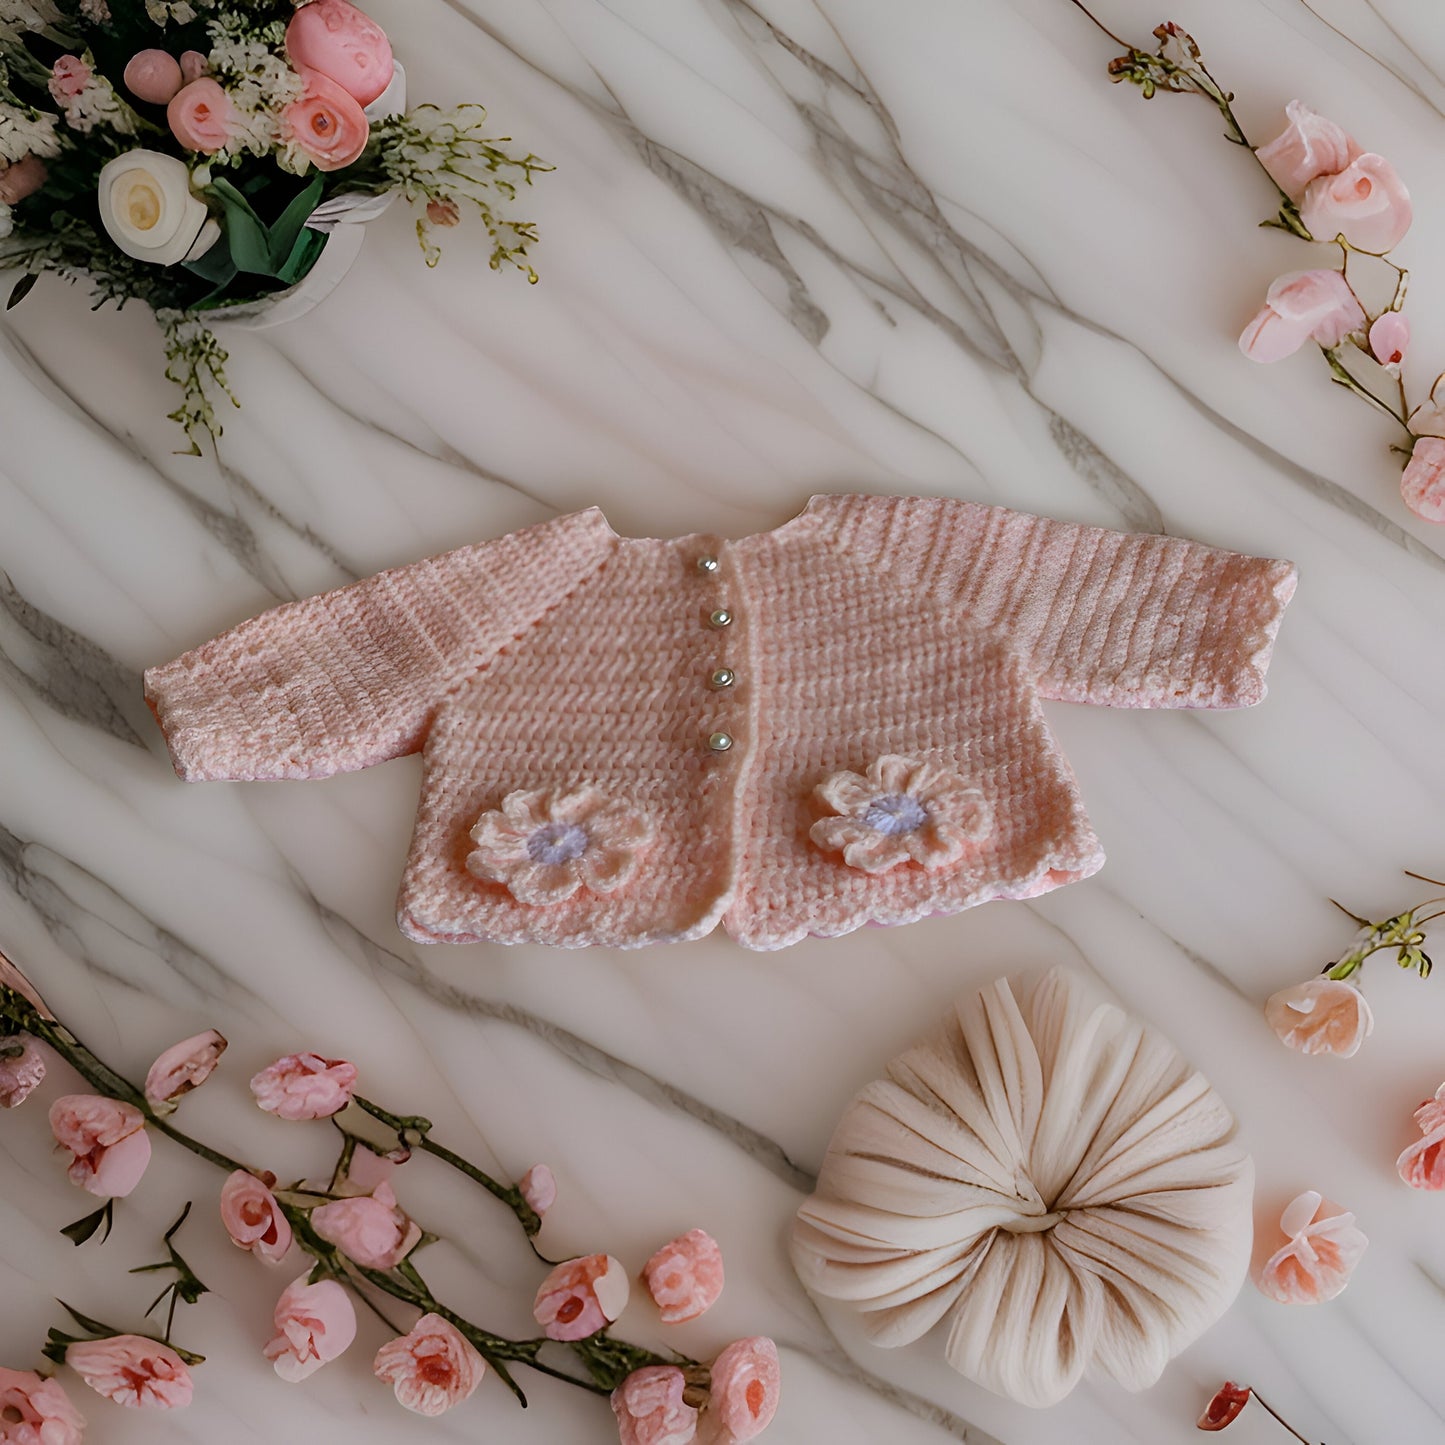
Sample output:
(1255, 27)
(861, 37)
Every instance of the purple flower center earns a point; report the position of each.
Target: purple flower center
(554, 843)
(894, 813)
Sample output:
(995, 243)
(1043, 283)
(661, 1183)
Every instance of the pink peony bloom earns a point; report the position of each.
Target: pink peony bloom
(431, 1368)
(184, 1066)
(650, 1409)
(314, 1323)
(539, 1188)
(305, 1086)
(580, 1297)
(35, 1410)
(543, 846)
(20, 179)
(1324, 1248)
(370, 1230)
(1298, 307)
(20, 1073)
(326, 125)
(1390, 339)
(342, 43)
(900, 811)
(107, 1141)
(153, 76)
(1366, 203)
(746, 1382)
(193, 66)
(1308, 147)
(1323, 1016)
(1224, 1409)
(202, 117)
(253, 1218)
(1422, 1165)
(68, 77)
(1423, 484)
(685, 1277)
(133, 1371)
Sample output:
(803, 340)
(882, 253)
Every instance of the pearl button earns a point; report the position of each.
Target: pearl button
(708, 566)
(720, 617)
(719, 742)
(723, 677)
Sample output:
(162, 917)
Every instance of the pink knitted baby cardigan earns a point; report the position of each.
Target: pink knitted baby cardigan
(629, 740)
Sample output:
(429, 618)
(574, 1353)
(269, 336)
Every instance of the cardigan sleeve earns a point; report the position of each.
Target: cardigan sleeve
(1122, 619)
(351, 678)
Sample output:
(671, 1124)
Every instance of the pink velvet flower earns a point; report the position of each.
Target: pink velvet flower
(133, 1371)
(1366, 203)
(1390, 339)
(1322, 1016)
(153, 76)
(184, 1066)
(20, 179)
(107, 1140)
(1423, 484)
(1308, 147)
(325, 124)
(369, 1230)
(202, 117)
(650, 1409)
(35, 1410)
(253, 1218)
(21, 1073)
(342, 43)
(1225, 1408)
(685, 1277)
(431, 1368)
(1323, 1249)
(900, 811)
(539, 1188)
(746, 1382)
(305, 1086)
(68, 77)
(542, 846)
(314, 1324)
(1298, 307)
(1422, 1165)
(580, 1297)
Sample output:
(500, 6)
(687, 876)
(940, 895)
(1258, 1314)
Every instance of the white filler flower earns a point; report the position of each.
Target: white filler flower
(147, 206)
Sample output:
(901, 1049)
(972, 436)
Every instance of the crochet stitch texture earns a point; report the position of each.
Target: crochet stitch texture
(714, 687)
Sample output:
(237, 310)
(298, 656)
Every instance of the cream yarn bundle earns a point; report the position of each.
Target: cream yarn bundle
(1048, 1175)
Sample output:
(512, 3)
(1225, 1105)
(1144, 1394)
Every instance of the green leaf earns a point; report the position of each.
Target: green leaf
(287, 229)
(85, 1322)
(23, 287)
(83, 1229)
(309, 246)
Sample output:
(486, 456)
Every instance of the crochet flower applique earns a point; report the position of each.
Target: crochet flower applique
(900, 811)
(544, 845)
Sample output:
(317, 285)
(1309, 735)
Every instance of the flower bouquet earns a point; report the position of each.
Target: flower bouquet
(200, 156)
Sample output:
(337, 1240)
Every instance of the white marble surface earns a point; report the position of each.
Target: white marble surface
(790, 246)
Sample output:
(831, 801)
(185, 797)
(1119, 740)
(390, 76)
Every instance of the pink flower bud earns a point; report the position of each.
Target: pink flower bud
(1390, 339)
(1309, 147)
(1322, 1016)
(1299, 307)
(580, 1297)
(326, 125)
(20, 179)
(153, 76)
(108, 1144)
(253, 1218)
(650, 1409)
(184, 1066)
(37, 1411)
(202, 117)
(369, 1230)
(193, 65)
(305, 1086)
(1323, 1249)
(20, 1073)
(133, 1371)
(68, 77)
(314, 1324)
(685, 1277)
(539, 1188)
(1366, 203)
(746, 1382)
(431, 1368)
(344, 44)
(1224, 1409)
(1423, 484)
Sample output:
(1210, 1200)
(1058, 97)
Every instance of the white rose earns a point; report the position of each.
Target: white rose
(147, 206)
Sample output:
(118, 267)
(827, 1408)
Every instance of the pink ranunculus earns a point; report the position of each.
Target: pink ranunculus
(1322, 1016)
(1324, 1246)
(107, 1140)
(1298, 307)
(202, 117)
(314, 1323)
(68, 77)
(650, 1409)
(305, 1086)
(1390, 339)
(21, 1073)
(1423, 485)
(369, 1230)
(153, 76)
(1308, 147)
(20, 179)
(580, 1297)
(431, 1368)
(539, 1188)
(133, 1371)
(184, 1066)
(1224, 1409)
(34, 1410)
(746, 1382)
(685, 1277)
(1366, 203)
(193, 66)
(253, 1218)
(325, 124)
(342, 43)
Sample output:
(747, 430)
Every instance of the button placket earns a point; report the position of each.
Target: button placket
(721, 677)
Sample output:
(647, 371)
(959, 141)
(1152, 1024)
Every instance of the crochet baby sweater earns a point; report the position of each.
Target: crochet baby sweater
(631, 740)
